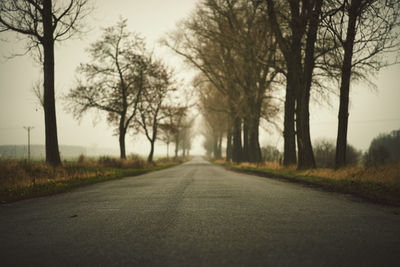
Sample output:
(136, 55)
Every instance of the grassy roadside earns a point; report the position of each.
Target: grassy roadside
(21, 180)
(379, 184)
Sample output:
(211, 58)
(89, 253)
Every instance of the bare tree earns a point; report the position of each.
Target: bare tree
(215, 113)
(114, 81)
(174, 121)
(37, 90)
(226, 41)
(166, 134)
(296, 26)
(186, 136)
(364, 32)
(200, 40)
(151, 104)
(43, 22)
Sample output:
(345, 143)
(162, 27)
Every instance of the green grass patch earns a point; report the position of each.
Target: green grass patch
(382, 192)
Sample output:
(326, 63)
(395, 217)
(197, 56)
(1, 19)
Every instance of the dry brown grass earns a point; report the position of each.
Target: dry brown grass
(272, 165)
(268, 165)
(22, 173)
(22, 179)
(388, 173)
(379, 184)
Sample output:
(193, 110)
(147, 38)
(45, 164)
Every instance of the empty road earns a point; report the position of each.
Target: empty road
(198, 214)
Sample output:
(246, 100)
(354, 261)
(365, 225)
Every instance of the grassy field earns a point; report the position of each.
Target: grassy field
(22, 179)
(380, 184)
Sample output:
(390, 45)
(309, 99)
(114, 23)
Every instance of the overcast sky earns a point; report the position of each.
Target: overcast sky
(372, 112)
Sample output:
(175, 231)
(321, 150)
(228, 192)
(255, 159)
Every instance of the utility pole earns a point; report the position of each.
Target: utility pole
(29, 128)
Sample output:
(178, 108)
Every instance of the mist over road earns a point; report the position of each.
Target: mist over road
(198, 214)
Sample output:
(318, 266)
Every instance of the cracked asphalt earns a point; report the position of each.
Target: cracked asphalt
(198, 214)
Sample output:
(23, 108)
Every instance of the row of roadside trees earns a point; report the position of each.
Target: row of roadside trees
(246, 51)
(383, 149)
(123, 79)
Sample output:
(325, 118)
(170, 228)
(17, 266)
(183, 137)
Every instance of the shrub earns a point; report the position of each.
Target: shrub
(324, 153)
(384, 149)
(110, 162)
(325, 150)
(271, 153)
(81, 158)
(353, 155)
(134, 161)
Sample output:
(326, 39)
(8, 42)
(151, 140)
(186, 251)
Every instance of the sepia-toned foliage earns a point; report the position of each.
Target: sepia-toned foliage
(231, 45)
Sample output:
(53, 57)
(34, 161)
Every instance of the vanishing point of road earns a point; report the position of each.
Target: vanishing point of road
(198, 214)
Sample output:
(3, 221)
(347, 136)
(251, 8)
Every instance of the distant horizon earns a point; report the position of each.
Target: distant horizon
(163, 146)
(38, 151)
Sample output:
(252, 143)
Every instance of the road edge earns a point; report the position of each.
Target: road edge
(372, 192)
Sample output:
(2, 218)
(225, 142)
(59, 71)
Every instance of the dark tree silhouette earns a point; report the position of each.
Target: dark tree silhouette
(150, 106)
(43, 23)
(325, 154)
(175, 123)
(214, 110)
(294, 24)
(271, 153)
(384, 148)
(114, 81)
(230, 44)
(201, 48)
(364, 31)
(166, 134)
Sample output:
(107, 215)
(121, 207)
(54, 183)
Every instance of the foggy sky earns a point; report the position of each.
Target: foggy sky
(371, 111)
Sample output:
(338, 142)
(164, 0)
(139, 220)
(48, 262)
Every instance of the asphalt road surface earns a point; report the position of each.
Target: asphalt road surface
(198, 214)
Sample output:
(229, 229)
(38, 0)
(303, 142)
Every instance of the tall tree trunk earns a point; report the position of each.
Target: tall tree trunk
(150, 157)
(295, 72)
(289, 136)
(237, 140)
(152, 140)
(341, 141)
(254, 144)
(254, 123)
(229, 144)
(52, 150)
(167, 150)
(122, 133)
(176, 146)
(220, 146)
(291, 49)
(306, 155)
(215, 147)
(245, 151)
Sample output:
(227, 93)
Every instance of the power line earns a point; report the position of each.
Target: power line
(14, 128)
(11, 128)
(380, 120)
(358, 121)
